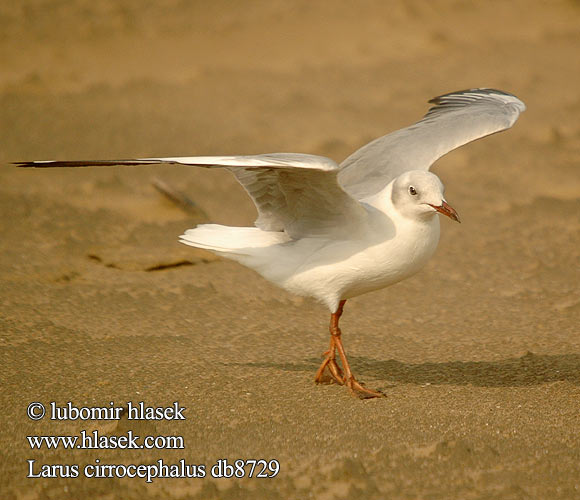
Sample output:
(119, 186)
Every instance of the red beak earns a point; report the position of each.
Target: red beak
(447, 210)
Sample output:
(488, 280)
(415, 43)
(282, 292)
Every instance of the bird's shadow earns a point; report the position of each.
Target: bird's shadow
(530, 369)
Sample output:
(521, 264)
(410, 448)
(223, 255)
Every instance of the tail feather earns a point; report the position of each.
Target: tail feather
(231, 240)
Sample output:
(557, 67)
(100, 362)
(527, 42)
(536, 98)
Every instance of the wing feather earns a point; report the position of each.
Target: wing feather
(296, 193)
(455, 119)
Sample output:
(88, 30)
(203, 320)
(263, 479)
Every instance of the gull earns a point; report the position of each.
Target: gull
(335, 232)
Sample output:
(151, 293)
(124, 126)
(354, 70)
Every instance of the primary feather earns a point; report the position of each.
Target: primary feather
(456, 119)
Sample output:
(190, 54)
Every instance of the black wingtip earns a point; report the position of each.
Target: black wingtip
(458, 93)
(462, 98)
(43, 164)
(24, 164)
(82, 163)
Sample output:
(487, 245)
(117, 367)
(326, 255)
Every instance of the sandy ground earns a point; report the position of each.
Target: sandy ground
(479, 353)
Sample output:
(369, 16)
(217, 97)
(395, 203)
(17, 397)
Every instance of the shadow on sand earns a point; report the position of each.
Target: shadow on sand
(530, 369)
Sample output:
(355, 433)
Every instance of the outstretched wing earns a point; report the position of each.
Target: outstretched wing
(296, 193)
(456, 119)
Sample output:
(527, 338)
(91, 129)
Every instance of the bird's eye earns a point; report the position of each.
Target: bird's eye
(412, 190)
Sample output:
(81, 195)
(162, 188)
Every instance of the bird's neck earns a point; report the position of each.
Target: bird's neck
(382, 200)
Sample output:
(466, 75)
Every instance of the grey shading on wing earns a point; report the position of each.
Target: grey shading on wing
(455, 119)
(296, 193)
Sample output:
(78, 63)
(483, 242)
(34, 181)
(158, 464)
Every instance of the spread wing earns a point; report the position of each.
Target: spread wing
(296, 193)
(455, 119)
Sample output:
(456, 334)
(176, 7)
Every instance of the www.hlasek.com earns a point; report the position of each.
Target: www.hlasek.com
(93, 440)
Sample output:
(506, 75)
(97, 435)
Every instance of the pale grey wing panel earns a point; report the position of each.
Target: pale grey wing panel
(293, 192)
(319, 207)
(269, 160)
(263, 187)
(456, 119)
(304, 202)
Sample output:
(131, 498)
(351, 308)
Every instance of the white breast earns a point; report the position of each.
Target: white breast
(392, 251)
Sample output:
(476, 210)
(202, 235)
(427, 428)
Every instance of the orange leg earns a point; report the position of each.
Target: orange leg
(329, 362)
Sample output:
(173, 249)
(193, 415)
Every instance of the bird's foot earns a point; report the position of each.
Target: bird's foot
(329, 371)
(360, 391)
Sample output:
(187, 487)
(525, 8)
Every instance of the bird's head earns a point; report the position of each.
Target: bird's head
(419, 194)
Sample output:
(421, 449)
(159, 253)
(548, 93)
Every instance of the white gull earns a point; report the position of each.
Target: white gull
(335, 232)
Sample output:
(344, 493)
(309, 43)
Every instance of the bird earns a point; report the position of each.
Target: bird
(333, 232)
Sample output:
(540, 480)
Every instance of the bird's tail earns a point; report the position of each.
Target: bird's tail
(231, 241)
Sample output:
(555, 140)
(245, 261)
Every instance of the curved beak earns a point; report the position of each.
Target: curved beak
(447, 210)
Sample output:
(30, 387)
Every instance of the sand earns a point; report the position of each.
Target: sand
(479, 354)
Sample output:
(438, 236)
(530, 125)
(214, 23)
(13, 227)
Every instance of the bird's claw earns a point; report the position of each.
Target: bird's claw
(360, 391)
(329, 372)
